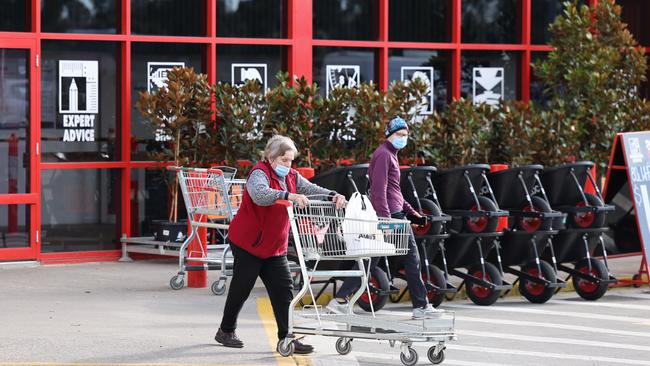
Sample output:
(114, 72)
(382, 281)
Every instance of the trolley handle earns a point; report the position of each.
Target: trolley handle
(198, 170)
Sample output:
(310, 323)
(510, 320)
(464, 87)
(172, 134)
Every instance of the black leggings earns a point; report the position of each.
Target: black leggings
(276, 276)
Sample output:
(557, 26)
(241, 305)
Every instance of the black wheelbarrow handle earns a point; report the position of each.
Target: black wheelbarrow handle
(576, 209)
(543, 215)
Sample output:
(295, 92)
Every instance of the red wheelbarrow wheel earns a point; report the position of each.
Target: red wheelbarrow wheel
(483, 295)
(590, 290)
(482, 224)
(530, 224)
(589, 219)
(380, 282)
(437, 279)
(429, 208)
(535, 292)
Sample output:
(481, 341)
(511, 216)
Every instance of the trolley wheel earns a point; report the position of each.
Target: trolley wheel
(482, 224)
(535, 292)
(429, 208)
(380, 282)
(438, 279)
(177, 282)
(588, 219)
(285, 349)
(636, 277)
(482, 295)
(343, 345)
(410, 359)
(530, 224)
(433, 358)
(589, 290)
(218, 287)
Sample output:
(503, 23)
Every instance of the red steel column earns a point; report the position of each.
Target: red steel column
(383, 51)
(125, 125)
(12, 181)
(455, 56)
(300, 31)
(525, 59)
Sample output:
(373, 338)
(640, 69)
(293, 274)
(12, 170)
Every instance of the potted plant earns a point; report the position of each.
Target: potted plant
(181, 112)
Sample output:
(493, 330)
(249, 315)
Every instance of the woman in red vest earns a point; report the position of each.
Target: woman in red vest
(259, 234)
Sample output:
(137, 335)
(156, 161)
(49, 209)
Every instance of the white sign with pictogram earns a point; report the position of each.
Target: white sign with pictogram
(342, 76)
(487, 85)
(157, 74)
(424, 74)
(78, 99)
(241, 73)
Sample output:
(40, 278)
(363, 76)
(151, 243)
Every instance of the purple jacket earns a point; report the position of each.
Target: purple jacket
(385, 194)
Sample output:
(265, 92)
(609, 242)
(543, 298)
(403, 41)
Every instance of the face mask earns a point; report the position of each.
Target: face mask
(281, 170)
(399, 142)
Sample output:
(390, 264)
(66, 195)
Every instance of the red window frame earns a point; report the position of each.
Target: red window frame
(299, 43)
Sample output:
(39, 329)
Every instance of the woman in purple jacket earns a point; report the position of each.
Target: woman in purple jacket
(387, 200)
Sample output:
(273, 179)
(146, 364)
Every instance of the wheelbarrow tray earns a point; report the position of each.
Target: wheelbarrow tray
(337, 179)
(452, 189)
(508, 190)
(560, 187)
(517, 247)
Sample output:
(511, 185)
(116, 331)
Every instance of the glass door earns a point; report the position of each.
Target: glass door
(18, 170)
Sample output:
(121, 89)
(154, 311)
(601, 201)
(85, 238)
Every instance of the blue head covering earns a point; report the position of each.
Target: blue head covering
(395, 125)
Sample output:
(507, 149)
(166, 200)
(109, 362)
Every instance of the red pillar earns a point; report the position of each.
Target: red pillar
(300, 31)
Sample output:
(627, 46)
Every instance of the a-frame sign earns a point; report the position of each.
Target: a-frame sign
(629, 166)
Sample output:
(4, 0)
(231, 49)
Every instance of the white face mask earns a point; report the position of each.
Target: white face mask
(399, 142)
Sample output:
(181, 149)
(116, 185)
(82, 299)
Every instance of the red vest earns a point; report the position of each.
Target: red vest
(263, 231)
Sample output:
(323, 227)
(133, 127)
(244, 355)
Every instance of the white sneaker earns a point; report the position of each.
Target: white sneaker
(336, 307)
(427, 312)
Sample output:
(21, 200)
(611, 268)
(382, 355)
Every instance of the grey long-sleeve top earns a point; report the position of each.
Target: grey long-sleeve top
(262, 194)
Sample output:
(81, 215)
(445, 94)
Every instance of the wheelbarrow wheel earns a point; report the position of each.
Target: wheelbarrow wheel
(530, 224)
(588, 219)
(590, 290)
(378, 280)
(483, 295)
(482, 224)
(437, 279)
(429, 208)
(535, 292)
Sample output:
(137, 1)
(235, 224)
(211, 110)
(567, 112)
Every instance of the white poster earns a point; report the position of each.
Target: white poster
(425, 74)
(342, 76)
(78, 99)
(157, 74)
(241, 73)
(487, 85)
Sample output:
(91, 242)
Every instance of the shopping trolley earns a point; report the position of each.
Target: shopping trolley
(322, 233)
(211, 201)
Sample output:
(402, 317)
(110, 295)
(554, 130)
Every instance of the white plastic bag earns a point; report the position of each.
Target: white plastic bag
(363, 237)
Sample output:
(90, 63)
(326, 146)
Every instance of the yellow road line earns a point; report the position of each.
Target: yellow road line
(265, 311)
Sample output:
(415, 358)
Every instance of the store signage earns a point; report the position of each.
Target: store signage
(425, 74)
(342, 76)
(157, 74)
(157, 79)
(487, 85)
(78, 99)
(241, 73)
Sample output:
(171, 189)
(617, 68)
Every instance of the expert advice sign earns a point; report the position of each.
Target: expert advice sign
(78, 99)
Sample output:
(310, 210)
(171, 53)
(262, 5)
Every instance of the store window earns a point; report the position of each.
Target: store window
(490, 21)
(151, 200)
(537, 86)
(543, 14)
(635, 14)
(419, 20)
(79, 91)
(488, 76)
(14, 120)
(432, 67)
(168, 17)
(252, 18)
(149, 65)
(15, 16)
(238, 63)
(349, 19)
(14, 226)
(342, 67)
(80, 210)
(80, 16)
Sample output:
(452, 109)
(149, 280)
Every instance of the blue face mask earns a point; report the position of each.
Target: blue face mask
(399, 142)
(281, 170)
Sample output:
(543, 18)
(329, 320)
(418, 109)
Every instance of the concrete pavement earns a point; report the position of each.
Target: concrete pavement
(125, 313)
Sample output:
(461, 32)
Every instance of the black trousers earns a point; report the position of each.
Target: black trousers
(276, 277)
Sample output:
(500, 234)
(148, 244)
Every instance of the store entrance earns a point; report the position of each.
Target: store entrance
(19, 199)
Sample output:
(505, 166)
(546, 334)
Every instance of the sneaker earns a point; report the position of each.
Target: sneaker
(228, 339)
(427, 311)
(301, 348)
(335, 307)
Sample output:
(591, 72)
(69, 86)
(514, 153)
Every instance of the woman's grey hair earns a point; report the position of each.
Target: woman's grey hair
(277, 146)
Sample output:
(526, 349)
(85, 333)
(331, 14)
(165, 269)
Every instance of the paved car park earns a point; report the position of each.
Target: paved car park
(125, 313)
